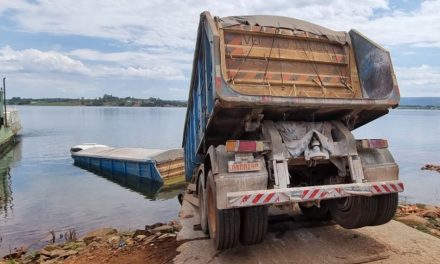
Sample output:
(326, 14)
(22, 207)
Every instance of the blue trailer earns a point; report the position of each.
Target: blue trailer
(272, 103)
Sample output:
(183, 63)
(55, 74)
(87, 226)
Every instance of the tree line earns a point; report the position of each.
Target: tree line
(106, 100)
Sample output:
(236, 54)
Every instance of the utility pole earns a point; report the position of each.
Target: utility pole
(4, 98)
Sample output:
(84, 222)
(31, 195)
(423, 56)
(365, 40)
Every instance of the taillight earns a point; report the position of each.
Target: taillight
(244, 146)
(372, 143)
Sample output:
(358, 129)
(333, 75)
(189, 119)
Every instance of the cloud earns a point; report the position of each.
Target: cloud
(174, 23)
(156, 38)
(423, 80)
(37, 61)
(171, 23)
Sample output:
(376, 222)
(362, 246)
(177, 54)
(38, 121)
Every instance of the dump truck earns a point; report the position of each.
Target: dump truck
(272, 105)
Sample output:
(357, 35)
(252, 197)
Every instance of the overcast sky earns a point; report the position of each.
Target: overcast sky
(139, 48)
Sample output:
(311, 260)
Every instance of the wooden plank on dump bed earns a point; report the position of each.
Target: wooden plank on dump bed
(267, 61)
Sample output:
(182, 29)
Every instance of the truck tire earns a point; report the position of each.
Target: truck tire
(386, 208)
(254, 222)
(224, 225)
(353, 211)
(202, 204)
(315, 212)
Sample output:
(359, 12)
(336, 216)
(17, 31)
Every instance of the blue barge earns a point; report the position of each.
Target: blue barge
(163, 166)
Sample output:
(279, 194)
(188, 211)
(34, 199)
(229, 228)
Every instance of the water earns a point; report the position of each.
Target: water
(414, 140)
(46, 192)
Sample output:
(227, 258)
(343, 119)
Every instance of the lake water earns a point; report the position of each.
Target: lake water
(44, 191)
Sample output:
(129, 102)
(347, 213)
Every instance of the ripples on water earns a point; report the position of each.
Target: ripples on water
(47, 192)
(44, 191)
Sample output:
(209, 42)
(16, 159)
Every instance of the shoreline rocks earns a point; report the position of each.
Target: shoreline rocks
(431, 167)
(105, 238)
(425, 218)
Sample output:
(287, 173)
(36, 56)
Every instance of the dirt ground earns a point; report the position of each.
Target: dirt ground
(160, 252)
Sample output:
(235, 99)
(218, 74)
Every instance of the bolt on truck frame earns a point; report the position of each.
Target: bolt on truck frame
(272, 104)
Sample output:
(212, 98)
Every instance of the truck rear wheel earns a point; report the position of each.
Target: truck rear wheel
(224, 225)
(353, 211)
(202, 204)
(253, 224)
(386, 208)
(314, 212)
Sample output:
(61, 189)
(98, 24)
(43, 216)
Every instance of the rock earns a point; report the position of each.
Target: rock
(102, 232)
(129, 241)
(166, 235)
(69, 253)
(153, 226)
(16, 254)
(142, 232)
(57, 253)
(413, 220)
(149, 239)
(114, 240)
(434, 232)
(44, 252)
(75, 245)
(27, 260)
(50, 247)
(94, 244)
(43, 258)
(163, 229)
(140, 238)
(89, 239)
(431, 214)
(98, 234)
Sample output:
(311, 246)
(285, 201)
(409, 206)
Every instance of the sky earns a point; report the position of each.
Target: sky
(139, 48)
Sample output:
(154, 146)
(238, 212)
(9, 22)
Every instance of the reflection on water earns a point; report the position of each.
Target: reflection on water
(150, 189)
(6, 204)
(49, 193)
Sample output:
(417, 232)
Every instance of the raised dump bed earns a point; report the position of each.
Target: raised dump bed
(271, 107)
(165, 166)
(248, 68)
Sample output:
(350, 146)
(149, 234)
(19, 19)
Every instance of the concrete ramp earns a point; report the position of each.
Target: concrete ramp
(292, 239)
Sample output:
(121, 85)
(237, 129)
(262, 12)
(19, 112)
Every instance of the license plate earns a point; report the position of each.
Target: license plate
(244, 166)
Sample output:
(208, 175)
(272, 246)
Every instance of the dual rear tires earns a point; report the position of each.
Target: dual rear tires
(248, 225)
(359, 211)
(228, 227)
(355, 211)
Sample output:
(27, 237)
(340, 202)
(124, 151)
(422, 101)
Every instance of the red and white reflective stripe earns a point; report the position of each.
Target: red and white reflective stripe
(382, 188)
(258, 199)
(304, 194)
(314, 194)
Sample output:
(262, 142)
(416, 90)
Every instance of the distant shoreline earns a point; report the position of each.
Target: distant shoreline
(114, 101)
(75, 105)
(403, 107)
(106, 100)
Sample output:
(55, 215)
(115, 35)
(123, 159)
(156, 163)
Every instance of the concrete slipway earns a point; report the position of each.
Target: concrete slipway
(292, 239)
